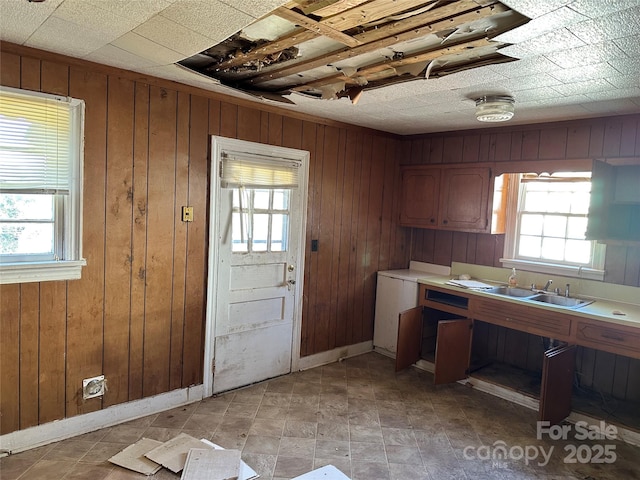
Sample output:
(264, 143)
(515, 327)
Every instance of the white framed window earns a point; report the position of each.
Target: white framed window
(546, 224)
(41, 157)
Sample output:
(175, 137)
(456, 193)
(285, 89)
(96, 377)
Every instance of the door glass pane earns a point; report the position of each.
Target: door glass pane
(279, 224)
(281, 199)
(261, 199)
(260, 232)
(239, 241)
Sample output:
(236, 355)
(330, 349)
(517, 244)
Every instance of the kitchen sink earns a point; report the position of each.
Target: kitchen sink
(557, 300)
(511, 291)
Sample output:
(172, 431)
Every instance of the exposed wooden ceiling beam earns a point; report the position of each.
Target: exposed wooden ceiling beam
(432, 28)
(325, 8)
(353, 17)
(316, 27)
(374, 71)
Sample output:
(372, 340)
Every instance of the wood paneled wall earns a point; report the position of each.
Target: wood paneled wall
(611, 137)
(137, 314)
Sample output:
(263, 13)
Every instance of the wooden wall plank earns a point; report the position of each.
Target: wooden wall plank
(55, 78)
(578, 141)
(596, 140)
(10, 358)
(160, 194)
(309, 136)
(30, 74)
(85, 298)
(119, 201)
(291, 133)
(452, 149)
(357, 139)
(374, 230)
(324, 324)
(502, 147)
(361, 232)
(336, 330)
(276, 129)
(553, 143)
(53, 300)
(612, 137)
(248, 124)
(179, 291)
(197, 235)
(139, 239)
(530, 144)
(442, 251)
(10, 70)
(228, 120)
(215, 111)
(29, 342)
(471, 148)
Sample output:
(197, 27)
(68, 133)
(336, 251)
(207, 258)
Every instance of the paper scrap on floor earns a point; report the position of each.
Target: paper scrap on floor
(469, 284)
(211, 464)
(328, 472)
(133, 457)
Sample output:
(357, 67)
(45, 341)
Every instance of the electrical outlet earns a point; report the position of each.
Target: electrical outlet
(93, 387)
(187, 214)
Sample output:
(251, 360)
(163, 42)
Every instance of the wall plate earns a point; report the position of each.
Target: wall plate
(93, 387)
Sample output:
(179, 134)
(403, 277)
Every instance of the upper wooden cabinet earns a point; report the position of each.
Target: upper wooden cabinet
(447, 198)
(614, 210)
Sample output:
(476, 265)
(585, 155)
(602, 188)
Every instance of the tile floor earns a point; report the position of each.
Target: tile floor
(357, 415)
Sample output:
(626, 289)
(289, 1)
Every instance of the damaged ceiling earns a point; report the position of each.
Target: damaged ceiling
(572, 59)
(329, 49)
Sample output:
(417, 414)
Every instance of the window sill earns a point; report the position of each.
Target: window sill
(40, 271)
(554, 269)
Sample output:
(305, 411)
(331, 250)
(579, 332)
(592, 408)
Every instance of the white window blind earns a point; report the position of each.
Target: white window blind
(258, 171)
(35, 155)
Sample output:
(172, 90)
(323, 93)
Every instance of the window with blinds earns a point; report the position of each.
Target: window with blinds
(40, 185)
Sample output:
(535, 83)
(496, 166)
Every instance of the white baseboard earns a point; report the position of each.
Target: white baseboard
(384, 351)
(32, 437)
(335, 355)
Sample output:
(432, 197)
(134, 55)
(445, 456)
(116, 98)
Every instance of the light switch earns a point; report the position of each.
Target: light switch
(187, 214)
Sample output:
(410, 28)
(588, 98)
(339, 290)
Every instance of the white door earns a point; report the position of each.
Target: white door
(256, 263)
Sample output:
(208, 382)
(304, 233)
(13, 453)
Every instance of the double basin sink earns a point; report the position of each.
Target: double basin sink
(535, 296)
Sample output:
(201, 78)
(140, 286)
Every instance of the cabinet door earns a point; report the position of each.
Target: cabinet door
(558, 367)
(409, 338)
(453, 350)
(420, 195)
(464, 199)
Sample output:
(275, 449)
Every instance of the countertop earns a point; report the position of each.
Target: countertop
(600, 309)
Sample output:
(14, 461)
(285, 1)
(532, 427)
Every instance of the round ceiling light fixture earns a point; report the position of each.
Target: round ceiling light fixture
(495, 108)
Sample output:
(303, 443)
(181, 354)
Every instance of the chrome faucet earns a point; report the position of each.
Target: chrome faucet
(546, 285)
(566, 290)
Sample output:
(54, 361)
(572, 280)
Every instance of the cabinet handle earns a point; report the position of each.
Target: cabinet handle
(613, 337)
(445, 221)
(433, 220)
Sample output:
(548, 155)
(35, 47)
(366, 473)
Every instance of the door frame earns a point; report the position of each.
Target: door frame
(218, 146)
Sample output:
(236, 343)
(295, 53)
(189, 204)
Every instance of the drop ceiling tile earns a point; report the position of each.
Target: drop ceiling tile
(611, 107)
(145, 48)
(585, 87)
(536, 94)
(617, 25)
(535, 8)
(624, 81)
(577, 74)
(587, 55)
(611, 94)
(172, 35)
(561, 39)
(212, 18)
(67, 38)
(626, 66)
(598, 8)
(537, 26)
(526, 66)
(117, 57)
(255, 10)
(18, 20)
(97, 19)
(629, 45)
(137, 10)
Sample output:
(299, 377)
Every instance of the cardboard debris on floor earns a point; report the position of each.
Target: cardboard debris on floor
(133, 457)
(210, 461)
(211, 464)
(173, 453)
(328, 472)
(246, 472)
